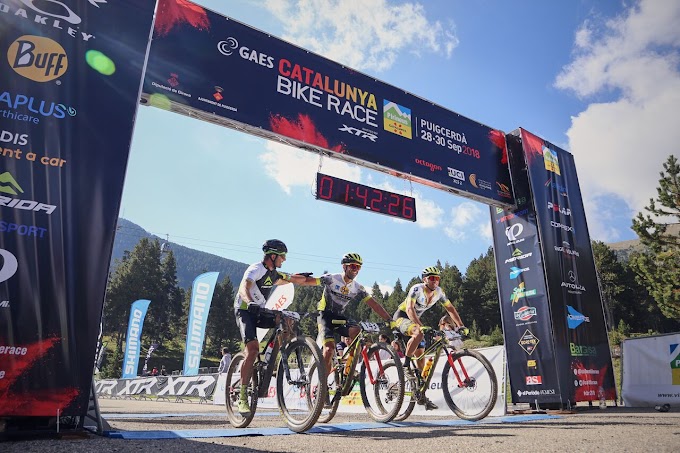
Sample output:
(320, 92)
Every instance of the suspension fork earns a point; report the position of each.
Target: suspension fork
(461, 383)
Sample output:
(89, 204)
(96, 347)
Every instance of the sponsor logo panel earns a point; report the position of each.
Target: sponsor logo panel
(528, 342)
(397, 119)
(574, 318)
(37, 58)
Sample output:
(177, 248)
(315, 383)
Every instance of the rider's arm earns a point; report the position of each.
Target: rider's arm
(453, 313)
(244, 290)
(300, 280)
(379, 309)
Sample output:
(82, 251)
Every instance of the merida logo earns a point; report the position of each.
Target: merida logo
(518, 255)
(9, 185)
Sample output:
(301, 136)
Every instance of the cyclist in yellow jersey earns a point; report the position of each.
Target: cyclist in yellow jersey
(420, 298)
(338, 291)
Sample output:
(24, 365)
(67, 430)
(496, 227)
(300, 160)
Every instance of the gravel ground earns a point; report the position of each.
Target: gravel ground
(614, 429)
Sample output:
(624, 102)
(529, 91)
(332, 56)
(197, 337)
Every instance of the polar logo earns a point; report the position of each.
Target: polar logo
(227, 46)
(514, 231)
(9, 265)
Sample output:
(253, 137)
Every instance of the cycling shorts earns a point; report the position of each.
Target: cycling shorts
(405, 326)
(328, 330)
(249, 320)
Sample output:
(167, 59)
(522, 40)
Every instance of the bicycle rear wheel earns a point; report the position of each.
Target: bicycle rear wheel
(299, 394)
(232, 391)
(386, 394)
(333, 387)
(470, 387)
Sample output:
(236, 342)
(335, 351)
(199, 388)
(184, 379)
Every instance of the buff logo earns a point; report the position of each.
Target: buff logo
(37, 58)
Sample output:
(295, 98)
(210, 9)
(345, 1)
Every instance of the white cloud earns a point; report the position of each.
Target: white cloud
(290, 166)
(465, 218)
(619, 146)
(366, 35)
(386, 287)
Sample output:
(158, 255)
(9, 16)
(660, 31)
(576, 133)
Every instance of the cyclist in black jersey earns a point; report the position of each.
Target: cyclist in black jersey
(257, 283)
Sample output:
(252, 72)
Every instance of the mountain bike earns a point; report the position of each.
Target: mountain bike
(380, 379)
(300, 372)
(468, 380)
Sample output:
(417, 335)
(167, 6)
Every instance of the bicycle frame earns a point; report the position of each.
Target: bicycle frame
(353, 348)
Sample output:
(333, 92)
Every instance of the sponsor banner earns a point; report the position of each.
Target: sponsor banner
(279, 299)
(651, 371)
(352, 403)
(201, 298)
(70, 78)
(580, 333)
(133, 338)
(522, 293)
(202, 386)
(207, 65)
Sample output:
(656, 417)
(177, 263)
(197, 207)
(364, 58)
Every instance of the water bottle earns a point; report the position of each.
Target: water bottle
(268, 351)
(427, 367)
(603, 401)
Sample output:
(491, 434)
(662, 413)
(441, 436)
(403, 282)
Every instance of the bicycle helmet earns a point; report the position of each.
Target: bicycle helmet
(274, 246)
(432, 270)
(351, 258)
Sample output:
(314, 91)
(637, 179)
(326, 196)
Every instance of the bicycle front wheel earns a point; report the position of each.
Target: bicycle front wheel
(386, 384)
(334, 389)
(470, 386)
(301, 384)
(410, 389)
(232, 392)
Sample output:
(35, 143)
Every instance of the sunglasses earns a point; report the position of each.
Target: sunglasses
(432, 278)
(354, 267)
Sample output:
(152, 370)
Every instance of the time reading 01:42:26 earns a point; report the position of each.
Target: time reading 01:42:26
(348, 193)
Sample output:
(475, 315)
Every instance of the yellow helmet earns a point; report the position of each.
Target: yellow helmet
(351, 258)
(432, 270)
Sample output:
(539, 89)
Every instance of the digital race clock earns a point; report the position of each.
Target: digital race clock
(348, 193)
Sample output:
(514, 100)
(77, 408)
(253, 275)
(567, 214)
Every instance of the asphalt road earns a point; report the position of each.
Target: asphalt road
(614, 429)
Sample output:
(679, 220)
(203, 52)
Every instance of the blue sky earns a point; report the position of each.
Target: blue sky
(599, 79)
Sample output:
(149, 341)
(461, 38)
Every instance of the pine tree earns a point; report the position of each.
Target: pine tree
(480, 294)
(658, 268)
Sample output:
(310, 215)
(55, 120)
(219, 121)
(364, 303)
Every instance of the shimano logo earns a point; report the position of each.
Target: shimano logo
(359, 133)
(567, 228)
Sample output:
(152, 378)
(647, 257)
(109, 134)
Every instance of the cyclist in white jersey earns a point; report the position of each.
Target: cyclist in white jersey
(338, 291)
(420, 298)
(257, 283)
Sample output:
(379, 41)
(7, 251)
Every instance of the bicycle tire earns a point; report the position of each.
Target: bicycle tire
(410, 387)
(232, 390)
(333, 387)
(301, 413)
(478, 395)
(388, 389)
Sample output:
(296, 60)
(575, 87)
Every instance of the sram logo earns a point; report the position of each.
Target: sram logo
(37, 58)
(534, 380)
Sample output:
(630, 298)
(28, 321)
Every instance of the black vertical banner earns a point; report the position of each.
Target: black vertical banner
(576, 307)
(70, 78)
(522, 294)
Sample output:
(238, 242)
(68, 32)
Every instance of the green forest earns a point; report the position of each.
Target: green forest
(640, 291)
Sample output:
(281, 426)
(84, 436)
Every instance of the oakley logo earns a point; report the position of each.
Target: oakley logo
(9, 265)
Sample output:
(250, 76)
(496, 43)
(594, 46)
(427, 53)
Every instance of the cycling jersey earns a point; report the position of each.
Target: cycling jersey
(417, 294)
(337, 294)
(264, 279)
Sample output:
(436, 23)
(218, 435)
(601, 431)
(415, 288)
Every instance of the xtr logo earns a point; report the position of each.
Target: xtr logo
(9, 265)
(9, 185)
(37, 58)
(358, 132)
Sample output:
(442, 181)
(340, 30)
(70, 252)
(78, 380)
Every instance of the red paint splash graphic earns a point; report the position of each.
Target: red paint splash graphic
(498, 139)
(36, 402)
(589, 392)
(533, 146)
(172, 13)
(302, 129)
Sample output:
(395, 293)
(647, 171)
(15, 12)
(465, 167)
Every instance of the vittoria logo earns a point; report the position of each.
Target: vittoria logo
(37, 58)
